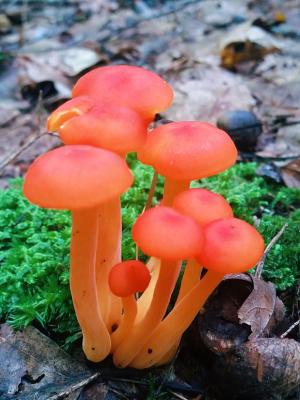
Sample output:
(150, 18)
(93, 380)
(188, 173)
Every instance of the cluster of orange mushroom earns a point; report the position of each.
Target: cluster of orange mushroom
(122, 307)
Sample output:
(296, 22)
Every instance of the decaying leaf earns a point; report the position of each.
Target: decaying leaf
(291, 174)
(258, 308)
(266, 368)
(242, 308)
(204, 93)
(34, 367)
(246, 43)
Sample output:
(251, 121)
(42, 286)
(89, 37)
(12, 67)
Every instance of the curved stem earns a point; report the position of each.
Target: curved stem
(126, 324)
(108, 254)
(143, 303)
(176, 322)
(96, 339)
(130, 347)
(171, 189)
(191, 277)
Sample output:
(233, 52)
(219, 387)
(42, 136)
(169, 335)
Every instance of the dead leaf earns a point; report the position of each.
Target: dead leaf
(34, 367)
(258, 308)
(291, 174)
(203, 93)
(246, 43)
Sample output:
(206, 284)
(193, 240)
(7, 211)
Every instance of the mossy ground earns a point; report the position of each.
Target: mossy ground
(34, 243)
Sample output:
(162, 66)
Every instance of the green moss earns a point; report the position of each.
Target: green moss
(34, 243)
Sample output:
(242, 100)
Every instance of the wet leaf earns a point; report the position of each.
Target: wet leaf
(258, 308)
(34, 367)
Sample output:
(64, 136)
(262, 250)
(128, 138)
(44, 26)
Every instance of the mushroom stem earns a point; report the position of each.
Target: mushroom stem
(190, 278)
(144, 301)
(126, 324)
(96, 339)
(130, 347)
(176, 322)
(171, 189)
(108, 254)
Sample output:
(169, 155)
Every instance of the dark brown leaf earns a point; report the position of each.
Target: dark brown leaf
(258, 308)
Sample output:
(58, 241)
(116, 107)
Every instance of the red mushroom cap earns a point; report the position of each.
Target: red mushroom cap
(76, 177)
(188, 150)
(230, 246)
(71, 108)
(114, 128)
(202, 205)
(129, 86)
(165, 233)
(128, 277)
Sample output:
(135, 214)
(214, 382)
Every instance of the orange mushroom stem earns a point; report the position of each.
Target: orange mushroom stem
(204, 207)
(230, 246)
(80, 179)
(125, 279)
(166, 234)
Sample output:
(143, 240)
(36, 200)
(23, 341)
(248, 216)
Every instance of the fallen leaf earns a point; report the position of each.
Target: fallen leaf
(291, 174)
(258, 308)
(34, 367)
(204, 93)
(246, 43)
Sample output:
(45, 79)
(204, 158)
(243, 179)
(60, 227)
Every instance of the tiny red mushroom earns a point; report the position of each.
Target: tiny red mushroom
(230, 246)
(126, 279)
(81, 179)
(163, 233)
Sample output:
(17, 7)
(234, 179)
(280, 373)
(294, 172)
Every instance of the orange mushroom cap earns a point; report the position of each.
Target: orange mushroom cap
(114, 128)
(67, 110)
(76, 177)
(230, 245)
(128, 277)
(188, 150)
(202, 205)
(130, 86)
(165, 233)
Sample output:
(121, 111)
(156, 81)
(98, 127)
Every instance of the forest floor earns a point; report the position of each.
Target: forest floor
(218, 56)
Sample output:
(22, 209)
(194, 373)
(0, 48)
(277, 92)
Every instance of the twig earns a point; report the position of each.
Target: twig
(290, 329)
(151, 191)
(20, 150)
(260, 265)
(121, 395)
(179, 396)
(75, 387)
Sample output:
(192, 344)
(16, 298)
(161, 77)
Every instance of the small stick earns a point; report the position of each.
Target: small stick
(290, 329)
(261, 263)
(151, 191)
(75, 387)
(179, 396)
(20, 150)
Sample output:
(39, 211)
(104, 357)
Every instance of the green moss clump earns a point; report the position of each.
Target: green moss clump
(34, 243)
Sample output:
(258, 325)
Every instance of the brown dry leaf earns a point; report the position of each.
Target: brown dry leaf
(258, 308)
(203, 93)
(291, 174)
(34, 367)
(246, 43)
